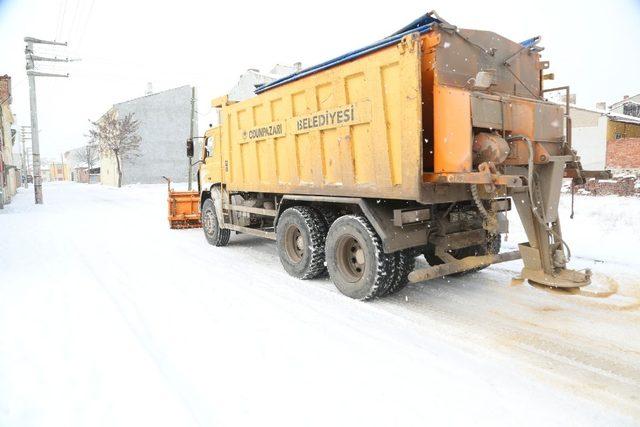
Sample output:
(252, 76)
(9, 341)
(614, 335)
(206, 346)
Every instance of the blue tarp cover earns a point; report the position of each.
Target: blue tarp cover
(422, 25)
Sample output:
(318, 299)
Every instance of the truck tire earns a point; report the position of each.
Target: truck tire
(405, 263)
(357, 264)
(215, 235)
(300, 238)
(329, 214)
(492, 247)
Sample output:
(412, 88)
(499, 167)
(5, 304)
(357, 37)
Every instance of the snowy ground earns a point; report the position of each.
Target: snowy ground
(107, 317)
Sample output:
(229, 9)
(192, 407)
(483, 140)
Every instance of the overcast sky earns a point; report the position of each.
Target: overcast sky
(593, 46)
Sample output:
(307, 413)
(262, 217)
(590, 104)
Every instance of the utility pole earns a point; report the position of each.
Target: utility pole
(32, 74)
(25, 133)
(192, 132)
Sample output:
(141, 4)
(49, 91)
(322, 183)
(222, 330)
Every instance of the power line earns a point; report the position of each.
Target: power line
(64, 12)
(86, 23)
(73, 22)
(58, 20)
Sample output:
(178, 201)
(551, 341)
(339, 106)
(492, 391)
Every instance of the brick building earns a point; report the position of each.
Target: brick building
(606, 139)
(623, 143)
(9, 171)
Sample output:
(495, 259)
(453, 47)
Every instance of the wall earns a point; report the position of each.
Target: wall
(165, 119)
(589, 137)
(108, 171)
(10, 179)
(59, 172)
(624, 152)
(624, 129)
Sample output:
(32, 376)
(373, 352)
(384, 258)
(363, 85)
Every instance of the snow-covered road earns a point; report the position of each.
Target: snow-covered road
(109, 318)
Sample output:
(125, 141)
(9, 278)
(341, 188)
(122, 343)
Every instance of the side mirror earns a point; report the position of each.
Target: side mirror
(189, 147)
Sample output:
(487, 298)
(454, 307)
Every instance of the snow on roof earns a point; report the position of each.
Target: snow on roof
(151, 94)
(617, 117)
(624, 101)
(624, 118)
(590, 109)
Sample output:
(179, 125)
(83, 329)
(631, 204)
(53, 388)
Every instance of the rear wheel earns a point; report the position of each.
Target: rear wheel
(357, 264)
(329, 214)
(215, 235)
(300, 238)
(405, 263)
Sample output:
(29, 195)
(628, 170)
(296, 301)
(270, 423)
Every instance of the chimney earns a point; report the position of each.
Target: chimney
(601, 105)
(625, 97)
(297, 66)
(149, 90)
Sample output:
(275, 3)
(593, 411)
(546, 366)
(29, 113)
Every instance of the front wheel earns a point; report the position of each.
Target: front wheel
(216, 235)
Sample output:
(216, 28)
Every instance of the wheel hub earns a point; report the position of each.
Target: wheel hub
(294, 243)
(208, 221)
(351, 258)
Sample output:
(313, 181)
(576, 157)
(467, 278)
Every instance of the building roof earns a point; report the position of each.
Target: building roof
(624, 118)
(616, 117)
(624, 101)
(151, 94)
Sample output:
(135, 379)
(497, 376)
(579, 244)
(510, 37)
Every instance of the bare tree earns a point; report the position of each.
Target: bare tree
(87, 155)
(116, 137)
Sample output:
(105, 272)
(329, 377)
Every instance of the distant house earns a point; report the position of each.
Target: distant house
(58, 172)
(623, 142)
(248, 81)
(629, 106)
(165, 121)
(605, 139)
(9, 171)
(78, 169)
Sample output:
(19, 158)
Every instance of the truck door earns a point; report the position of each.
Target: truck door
(212, 160)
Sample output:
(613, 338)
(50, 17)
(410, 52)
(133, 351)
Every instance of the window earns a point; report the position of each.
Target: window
(209, 144)
(618, 135)
(631, 109)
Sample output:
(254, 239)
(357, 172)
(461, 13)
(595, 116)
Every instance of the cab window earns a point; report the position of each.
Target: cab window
(209, 144)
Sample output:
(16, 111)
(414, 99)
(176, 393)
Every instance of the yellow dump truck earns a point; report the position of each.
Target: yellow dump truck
(416, 144)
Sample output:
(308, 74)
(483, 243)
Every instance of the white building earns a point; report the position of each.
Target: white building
(248, 81)
(165, 124)
(589, 136)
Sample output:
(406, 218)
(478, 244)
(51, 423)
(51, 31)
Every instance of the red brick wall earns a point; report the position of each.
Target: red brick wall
(5, 87)
(623, 153)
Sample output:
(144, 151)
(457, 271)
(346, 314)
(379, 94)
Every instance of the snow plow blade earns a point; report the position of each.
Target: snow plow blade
(464, 264)
(184, 208)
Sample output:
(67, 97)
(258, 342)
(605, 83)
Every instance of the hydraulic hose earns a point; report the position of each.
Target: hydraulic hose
(483, 211)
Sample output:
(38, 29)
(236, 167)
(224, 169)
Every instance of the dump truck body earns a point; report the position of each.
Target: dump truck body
(419, 139)
(338, 132)
(374, 125)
